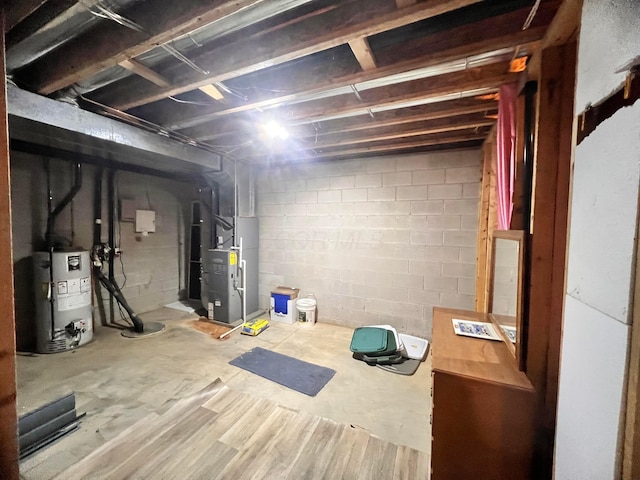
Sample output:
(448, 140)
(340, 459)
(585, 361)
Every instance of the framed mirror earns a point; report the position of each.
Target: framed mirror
(505, 288)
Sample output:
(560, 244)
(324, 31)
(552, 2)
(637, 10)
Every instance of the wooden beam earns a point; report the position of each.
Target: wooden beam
(362, 51)
(487, 193)
(15, 12)
(554, 142)
(8, 415)
(390, 133)
(390, 147)
(336, 27)
(145, 72)
(631, 449)
(39, 19)
(564, 26)
(313, 84)
(109, 43)
(212, 91)
(401, 116)
(405, 3)
(430, 88)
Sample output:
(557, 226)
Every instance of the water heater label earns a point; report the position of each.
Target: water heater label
(72, 302)
(73, 293)
(73, 262)
(233, 258)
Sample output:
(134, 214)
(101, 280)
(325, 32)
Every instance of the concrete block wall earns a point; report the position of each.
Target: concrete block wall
(377, 241)
(155, 265)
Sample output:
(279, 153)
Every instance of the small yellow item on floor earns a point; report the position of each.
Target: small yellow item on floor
(254, 327)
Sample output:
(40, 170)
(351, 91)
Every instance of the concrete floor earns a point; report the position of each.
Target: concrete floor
(118, 381)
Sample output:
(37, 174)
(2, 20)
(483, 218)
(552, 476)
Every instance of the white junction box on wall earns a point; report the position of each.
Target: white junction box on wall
(145, 221)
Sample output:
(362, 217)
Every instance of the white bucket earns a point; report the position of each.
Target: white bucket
(306, 310)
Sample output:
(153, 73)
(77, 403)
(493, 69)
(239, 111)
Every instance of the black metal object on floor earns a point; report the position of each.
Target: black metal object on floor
(150, 328)
(46, 424)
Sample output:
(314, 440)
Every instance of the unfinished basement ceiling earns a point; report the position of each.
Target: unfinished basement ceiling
(344, 78)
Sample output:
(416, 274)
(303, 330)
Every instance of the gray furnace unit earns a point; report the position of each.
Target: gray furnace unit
(222, 276)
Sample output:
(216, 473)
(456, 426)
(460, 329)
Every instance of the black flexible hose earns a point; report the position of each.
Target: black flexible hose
(138, 325)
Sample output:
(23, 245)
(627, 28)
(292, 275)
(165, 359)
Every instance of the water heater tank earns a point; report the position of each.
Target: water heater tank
(63, 291)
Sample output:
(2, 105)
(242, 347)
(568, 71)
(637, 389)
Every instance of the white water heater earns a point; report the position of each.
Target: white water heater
(63, 300)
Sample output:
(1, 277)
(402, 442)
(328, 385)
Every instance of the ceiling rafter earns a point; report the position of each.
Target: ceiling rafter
(313, 85)
(351, 78)
(362, 51)
(36, 20)
(431, 88)
(405, 3)
(138, 68)
(393, 133)
(391, 147)
(110, 43)
(419, 113)
(335, 27)
(15, 12)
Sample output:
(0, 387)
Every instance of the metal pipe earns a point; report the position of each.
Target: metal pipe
(97, 208)
(113, 289)
(529, 140)
(242, 263)
(529, 115)
(112, 234)
(50, 250)
(51, 220)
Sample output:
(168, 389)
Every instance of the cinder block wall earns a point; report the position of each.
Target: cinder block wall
(377, 241)
(155, 265)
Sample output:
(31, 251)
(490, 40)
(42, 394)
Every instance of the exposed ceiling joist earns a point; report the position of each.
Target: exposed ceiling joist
(419, 113)
(405, 145)
(405, 3)
(15, 12)
(390, 133)
(431, 88)
(212, 91)
(350, 78)
(159, 23)
(313, 83)
(335, 27)
(145, 72)
(37, 20)
(362, 51)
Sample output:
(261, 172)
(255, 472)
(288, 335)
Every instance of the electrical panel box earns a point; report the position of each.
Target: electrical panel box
(145, 221)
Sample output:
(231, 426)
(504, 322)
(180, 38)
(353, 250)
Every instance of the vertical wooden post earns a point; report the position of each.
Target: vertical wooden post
(8, 419)
(554, 144)
(487, 220)
(631, 447)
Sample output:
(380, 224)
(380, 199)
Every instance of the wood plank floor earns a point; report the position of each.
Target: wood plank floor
(219, 433)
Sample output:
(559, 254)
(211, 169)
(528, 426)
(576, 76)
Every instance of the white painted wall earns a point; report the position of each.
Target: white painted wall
(603, 222)
(377, 241)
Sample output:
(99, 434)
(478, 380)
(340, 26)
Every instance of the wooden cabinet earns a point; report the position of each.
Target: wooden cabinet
(483, 406)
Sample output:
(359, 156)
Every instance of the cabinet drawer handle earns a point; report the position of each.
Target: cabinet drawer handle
(431, 419)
